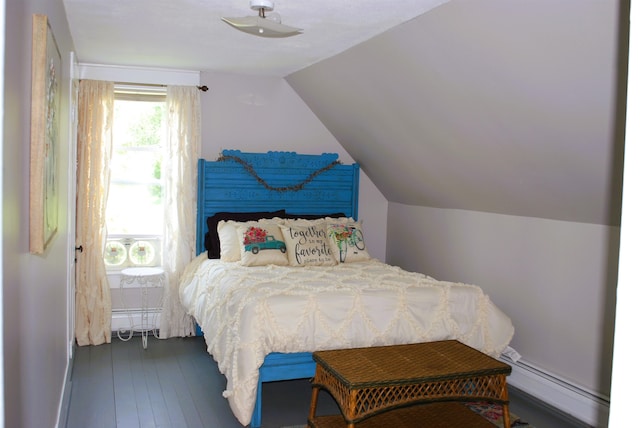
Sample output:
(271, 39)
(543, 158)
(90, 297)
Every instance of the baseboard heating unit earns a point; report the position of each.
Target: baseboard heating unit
(587, 406)
(123, 320)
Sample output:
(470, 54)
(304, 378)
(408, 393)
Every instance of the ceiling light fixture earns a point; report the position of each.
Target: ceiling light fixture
(262, 25)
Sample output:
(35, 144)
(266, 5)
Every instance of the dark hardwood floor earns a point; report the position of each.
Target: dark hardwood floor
(176, 383)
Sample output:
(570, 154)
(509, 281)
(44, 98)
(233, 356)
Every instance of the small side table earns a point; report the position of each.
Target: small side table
(146, 278)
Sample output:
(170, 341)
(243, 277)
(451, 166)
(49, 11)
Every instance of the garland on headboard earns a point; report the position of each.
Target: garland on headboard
(291, 188)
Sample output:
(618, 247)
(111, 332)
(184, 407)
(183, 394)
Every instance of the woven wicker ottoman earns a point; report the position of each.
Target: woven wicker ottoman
(368, 382)
(435, 415)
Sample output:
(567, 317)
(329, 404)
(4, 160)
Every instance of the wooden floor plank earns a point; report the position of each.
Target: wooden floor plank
(181, 383)
(175, 383)
(92, 392)
(81, 377)
(198, 372)
(137, 357)
(125, 397)
(165, 368)
(159, 407)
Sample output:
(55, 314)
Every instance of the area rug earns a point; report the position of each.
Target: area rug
(491, 412)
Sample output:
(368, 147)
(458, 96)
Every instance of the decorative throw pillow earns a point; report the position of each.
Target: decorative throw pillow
(212, 243)
(228, 237)
(261, 243)
(346, 240)
(307, 243)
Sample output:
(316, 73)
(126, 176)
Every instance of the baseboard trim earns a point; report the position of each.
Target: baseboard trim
(578, 402)
(65, 396)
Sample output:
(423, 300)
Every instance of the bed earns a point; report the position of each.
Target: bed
(264, 313)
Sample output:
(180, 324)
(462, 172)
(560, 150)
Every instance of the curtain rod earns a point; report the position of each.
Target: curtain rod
(203, 88)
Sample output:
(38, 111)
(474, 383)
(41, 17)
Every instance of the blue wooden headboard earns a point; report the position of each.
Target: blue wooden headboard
(300, 184)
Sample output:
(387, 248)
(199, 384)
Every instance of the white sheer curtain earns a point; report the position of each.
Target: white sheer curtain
(93, 296)
(181, 173)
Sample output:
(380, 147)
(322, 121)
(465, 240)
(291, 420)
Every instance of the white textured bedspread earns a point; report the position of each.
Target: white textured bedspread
(249, 312)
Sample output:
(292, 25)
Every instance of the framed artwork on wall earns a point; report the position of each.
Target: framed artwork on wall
(45, 140)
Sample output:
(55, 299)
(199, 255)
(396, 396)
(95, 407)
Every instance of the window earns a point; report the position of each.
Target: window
(135, 204)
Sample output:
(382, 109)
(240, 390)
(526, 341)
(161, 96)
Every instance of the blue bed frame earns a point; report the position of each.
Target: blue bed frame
(300, 184)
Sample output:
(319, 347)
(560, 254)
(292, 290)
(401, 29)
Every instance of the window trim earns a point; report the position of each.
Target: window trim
(150, 93)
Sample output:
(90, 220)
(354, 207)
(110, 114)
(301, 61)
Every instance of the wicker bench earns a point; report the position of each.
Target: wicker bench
(367, 382)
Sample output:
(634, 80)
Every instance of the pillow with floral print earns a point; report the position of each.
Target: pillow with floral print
(347, 240)
(261, 243)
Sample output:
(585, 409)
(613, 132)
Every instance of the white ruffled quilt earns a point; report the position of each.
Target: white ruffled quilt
(249, 312)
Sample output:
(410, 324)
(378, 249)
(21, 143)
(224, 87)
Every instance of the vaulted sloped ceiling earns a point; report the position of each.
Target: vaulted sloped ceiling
(495, 105)
(502, 106)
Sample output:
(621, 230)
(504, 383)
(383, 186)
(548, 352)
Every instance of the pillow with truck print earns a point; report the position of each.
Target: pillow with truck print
(261, 243)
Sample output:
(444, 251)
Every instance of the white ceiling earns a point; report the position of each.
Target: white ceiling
(496, 106)
(190, 35)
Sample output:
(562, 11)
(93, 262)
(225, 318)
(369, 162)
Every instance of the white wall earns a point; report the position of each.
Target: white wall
(625, 376)
(253, 114)
(34, 287)
(555, 279)
(531, 129)
(258, 114)
(2, 42)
